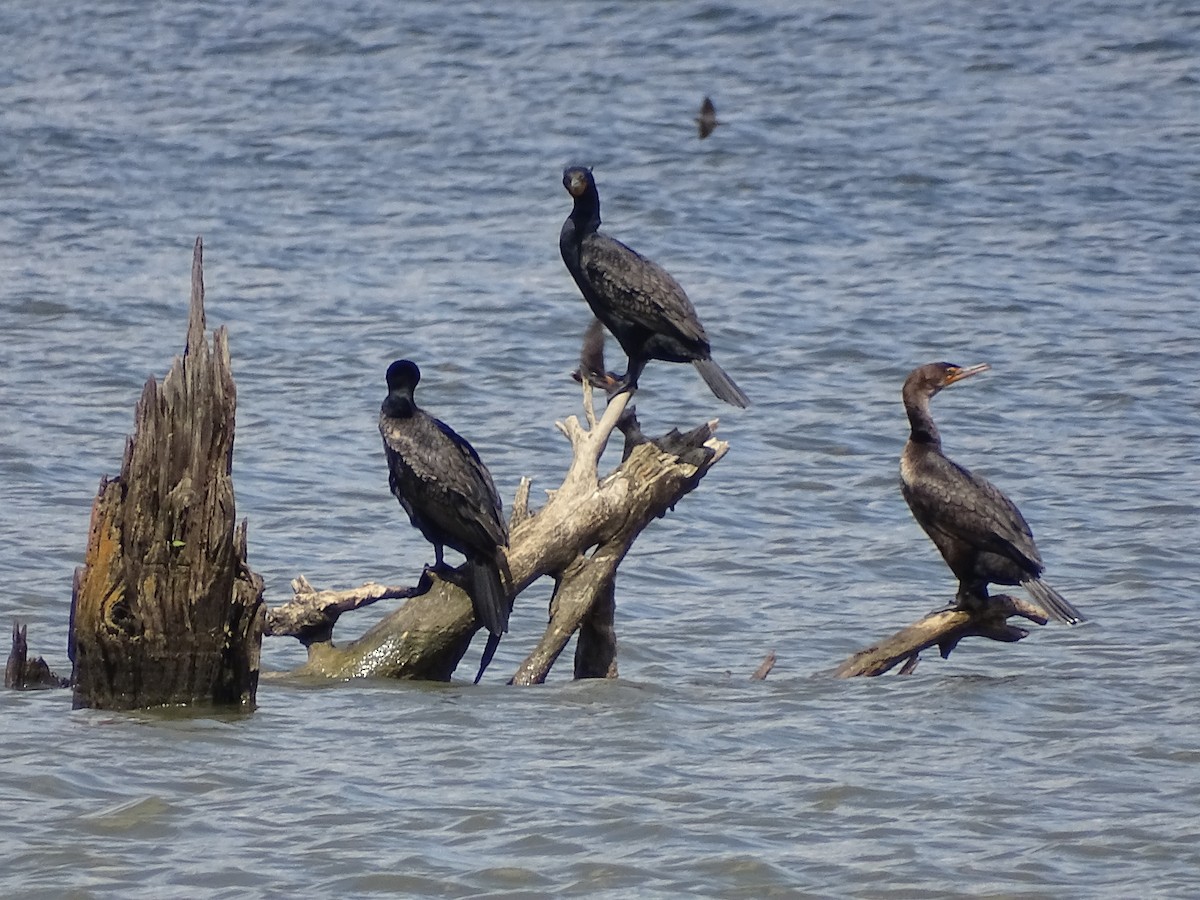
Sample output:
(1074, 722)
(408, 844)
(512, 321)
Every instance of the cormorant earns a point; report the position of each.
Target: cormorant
(449, 496)
(643, 307)
(982, 536)
(706, 122)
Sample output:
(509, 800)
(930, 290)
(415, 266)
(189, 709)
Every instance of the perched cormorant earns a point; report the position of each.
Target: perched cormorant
(643, 307)
(449, 497)
(982, 536)
(707, 120)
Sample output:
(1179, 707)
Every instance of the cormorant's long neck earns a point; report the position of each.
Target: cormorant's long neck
(923, 429)
(586, 213)
(400, 404)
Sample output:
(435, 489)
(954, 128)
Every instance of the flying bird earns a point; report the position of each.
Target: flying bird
(707, 120)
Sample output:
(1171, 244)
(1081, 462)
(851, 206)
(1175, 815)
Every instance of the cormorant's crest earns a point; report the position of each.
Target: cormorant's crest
(403, 374)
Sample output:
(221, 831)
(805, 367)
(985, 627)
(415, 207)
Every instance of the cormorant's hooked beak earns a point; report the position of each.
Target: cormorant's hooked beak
(575, 181)
(958, 374)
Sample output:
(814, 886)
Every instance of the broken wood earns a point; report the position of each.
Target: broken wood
(943, 629)
(578, 538)
(765, 667)
(24, 674)
(166, 610)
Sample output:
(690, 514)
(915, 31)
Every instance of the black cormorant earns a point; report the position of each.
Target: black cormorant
(449, 497)
(643, 307)
(982, 536)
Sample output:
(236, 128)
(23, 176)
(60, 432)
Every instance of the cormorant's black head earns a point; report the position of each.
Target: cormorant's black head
(578, 181)
(930, 378)
(403, 375)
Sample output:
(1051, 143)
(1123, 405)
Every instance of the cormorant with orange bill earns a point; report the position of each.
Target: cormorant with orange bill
(982, 536)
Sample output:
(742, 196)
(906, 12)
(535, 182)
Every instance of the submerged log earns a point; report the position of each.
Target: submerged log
(166, 610)
(578, 538)
(943, 629)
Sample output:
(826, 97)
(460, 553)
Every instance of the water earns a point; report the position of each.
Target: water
(891, 185)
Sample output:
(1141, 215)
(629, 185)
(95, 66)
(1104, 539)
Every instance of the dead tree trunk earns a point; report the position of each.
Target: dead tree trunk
(942, 629)
(22, 673)
(578, 538)
(166, 611)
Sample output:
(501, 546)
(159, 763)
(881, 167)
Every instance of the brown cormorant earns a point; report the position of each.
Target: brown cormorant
(449, 496)
(982, 536)
(643, 307)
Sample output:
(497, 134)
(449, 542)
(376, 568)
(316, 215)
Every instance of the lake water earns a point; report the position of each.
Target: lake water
(892, 184)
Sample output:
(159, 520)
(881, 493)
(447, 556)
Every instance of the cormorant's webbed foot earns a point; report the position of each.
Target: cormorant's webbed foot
(620, 386)
(971, 600)
(952, 606)
(604, 381)
(629, 381)
(441, 569)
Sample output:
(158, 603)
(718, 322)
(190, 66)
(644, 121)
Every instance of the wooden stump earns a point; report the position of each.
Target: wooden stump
(24, 674)
(166, 610)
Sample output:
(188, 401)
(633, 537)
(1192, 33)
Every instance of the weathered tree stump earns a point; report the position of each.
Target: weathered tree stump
(166, 610)
(24, 674)
(943, 629)
(578, 538)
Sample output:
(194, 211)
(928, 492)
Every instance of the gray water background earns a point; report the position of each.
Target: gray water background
(894, 183)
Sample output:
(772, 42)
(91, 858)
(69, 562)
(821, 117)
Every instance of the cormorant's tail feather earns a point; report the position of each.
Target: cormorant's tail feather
(720, 383)
(490, 603)
(488, 652)
(487, 595)
(1053, 602)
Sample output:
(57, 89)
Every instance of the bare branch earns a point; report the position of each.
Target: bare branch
(311, 614)
(942, 629)
(577, 590)
(764, 668)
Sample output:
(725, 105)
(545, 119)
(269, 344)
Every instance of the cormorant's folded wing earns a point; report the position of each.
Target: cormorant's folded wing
(971, 508)
(639, 289)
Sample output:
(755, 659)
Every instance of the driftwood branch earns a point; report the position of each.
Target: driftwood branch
(578, 538)
(311, 615)
(942, 629)
(765, 667)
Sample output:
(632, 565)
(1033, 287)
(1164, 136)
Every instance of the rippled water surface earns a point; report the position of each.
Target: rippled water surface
(891, 184)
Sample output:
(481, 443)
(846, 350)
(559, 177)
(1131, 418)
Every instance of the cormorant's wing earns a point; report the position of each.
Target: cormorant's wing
(476, 479)
(440, 480)
(639, 289)
(972, 509)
